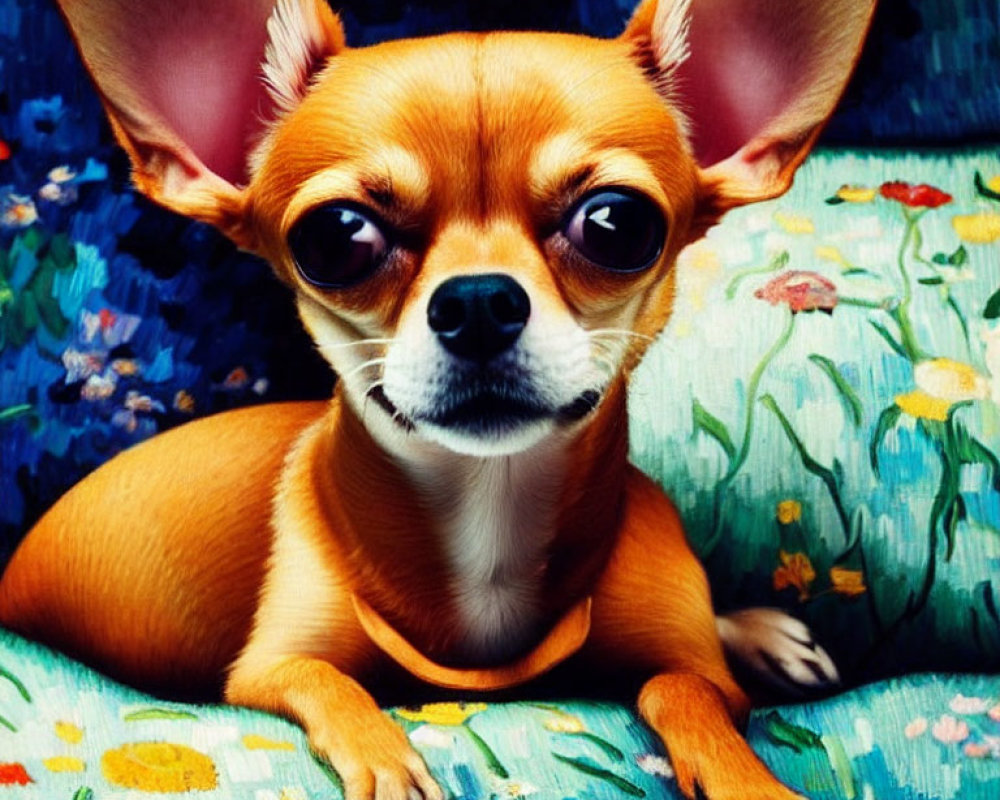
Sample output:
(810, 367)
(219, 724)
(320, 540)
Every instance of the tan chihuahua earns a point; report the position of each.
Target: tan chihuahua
(480, 230)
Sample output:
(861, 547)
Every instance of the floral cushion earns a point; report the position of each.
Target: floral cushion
(66, 732)
(824, 407)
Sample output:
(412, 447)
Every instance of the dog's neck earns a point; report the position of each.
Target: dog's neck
(473, 558)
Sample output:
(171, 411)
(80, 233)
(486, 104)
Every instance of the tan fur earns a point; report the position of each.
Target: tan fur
(287, 551)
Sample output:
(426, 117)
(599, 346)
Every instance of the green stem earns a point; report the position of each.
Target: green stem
(8, 724)
(901, 313)
(860, 302)
(489, 756)
(753, 385)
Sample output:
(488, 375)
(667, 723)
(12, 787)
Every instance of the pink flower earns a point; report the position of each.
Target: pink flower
(917, 727)
(994, 713)
(973, 750)
(961, 704)
(919, 196)
(948, 730)
(802, 291)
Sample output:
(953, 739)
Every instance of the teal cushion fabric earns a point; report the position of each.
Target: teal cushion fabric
(66, 732)
(823, 407)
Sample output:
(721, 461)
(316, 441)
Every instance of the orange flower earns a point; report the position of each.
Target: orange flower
(796, 570)
(848, 582)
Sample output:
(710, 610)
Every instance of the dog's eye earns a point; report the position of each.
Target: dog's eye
(336, 246)
(617, 229)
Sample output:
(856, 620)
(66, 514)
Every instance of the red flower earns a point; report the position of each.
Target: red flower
(802, 291)
(14, 775)
(4, 150)
(919, 196)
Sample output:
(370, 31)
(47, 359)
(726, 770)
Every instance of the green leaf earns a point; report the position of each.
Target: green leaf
(492, 762)
(9, 415)
(599, 772)
(988, 601)
(886, 422)
(84, 793)
(937, 280)
(983, 189)
(959, 257)
(158, 713)
(852, 403)
(787, 734)
(608, 749)
(954, 513)
(21, 688)
(992, 308)
(940, 258)
(8, 724)
(706, 422)
(834, 201)
(840, 763)
(969, 450)
(889, 338)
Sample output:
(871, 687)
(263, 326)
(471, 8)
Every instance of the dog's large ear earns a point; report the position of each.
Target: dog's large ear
(189, 86)
(755, 80)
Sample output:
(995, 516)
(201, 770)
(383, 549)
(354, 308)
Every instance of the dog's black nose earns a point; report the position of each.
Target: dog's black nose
(477, 317)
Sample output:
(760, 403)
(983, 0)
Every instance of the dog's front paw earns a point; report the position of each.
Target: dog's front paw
(777, 650)
(375, 761)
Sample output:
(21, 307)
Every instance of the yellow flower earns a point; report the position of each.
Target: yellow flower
(69, 732)
(796, 570)
(794, 223)
(982, 228)
(922, 406)
(562, 722)
(856, 194)
(254, 742)
(441, 713)
(993, 184)
(789, 511)
(848, 582)
(64, 764)
(950, 380)
(831, 253)
(158, 767)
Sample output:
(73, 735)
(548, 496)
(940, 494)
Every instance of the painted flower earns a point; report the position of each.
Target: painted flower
(961, 704)
(561, 722)
(17, 211)
(847, 582)
(448, 714)
(921, 405)
(253, 741)
(796, 570)
(159, 767)
(428, 736)
(802, 291)
(794, 223)
(989, 747)
(64, 764)
(950, 380)
(14, 775)
(514, 789)
(994, 713)
(69, 732)
(184, 402)
(915, 196)
(916, 727)
(982, 228)
(58, 193)
(950, 730)
(61, 174)
(99, 387)
(4, 150)
(853, 194)
(789, 511)
(652, 764)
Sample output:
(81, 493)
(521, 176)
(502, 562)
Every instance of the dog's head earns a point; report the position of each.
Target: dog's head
(480, 229)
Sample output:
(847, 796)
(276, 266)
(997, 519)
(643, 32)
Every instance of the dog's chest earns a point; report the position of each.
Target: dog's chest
(497, 521)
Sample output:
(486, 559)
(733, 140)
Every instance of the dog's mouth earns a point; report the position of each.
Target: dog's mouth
(488, 411)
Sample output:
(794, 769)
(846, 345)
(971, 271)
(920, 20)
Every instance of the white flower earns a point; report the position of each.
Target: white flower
(653, 764)
(950, 380)
(99, 387)
(961, 704)
(515, 788)
(62, 174)
(429, 736)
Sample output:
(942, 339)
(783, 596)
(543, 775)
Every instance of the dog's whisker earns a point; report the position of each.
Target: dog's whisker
(374, 362)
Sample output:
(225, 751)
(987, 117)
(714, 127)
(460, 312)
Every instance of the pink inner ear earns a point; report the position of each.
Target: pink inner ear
(202, 75)
(744, 69)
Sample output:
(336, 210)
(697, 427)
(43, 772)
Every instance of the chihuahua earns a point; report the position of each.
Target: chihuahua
(480, 231)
